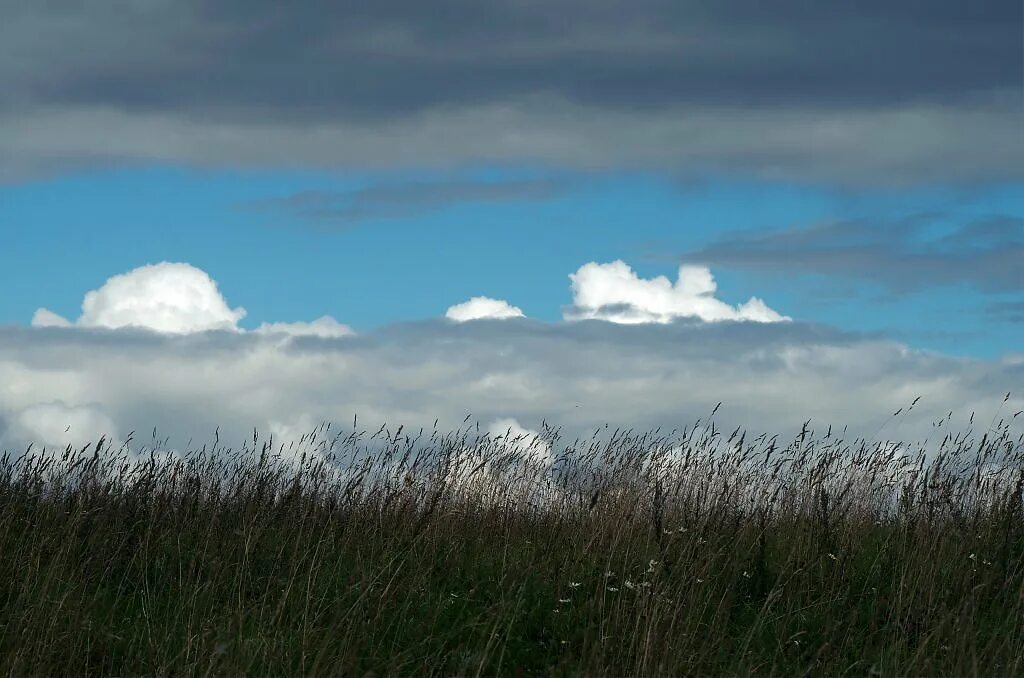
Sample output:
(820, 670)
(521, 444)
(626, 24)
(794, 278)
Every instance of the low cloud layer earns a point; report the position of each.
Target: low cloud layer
(135, 366)
(771, 377)
(529, 442)
(56, 424)
(614, 292)
(324, 327)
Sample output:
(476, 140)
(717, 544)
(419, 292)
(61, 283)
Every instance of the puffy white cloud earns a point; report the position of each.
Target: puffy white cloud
(614, 292)
(172, 298)
(479, 308)
(325, 327)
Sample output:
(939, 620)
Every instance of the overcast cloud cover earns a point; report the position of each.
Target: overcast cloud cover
(875, 92)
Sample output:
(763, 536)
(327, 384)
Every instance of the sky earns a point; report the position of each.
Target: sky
(255, 214)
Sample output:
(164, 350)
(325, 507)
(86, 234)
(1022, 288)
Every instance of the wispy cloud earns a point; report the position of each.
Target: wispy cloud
(1011, 311)
(341, 209)
(918, 252)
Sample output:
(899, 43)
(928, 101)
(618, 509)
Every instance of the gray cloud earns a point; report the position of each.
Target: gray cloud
(906, 255)
(405, 199)
(321, 58)
(579, 375)
(875, 91)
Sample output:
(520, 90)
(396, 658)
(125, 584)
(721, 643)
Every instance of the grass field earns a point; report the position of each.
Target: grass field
(693, 552)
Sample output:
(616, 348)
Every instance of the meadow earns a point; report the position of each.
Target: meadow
(698, 551)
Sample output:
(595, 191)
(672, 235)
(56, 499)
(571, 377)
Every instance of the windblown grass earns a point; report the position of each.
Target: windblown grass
(460, 553)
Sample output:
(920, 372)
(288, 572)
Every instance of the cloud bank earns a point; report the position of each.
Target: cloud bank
(324, 327)
(57, 424)
(530, 443)
(72, 383)
(771, 377)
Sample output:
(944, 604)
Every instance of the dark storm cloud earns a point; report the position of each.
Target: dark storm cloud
(911, 254)
(347, 208)
(575, 81)
(320, 59)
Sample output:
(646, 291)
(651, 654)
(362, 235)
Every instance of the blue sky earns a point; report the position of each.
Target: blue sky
(68, 234)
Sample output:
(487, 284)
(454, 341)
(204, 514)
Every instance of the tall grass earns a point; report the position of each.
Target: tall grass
(688, 552)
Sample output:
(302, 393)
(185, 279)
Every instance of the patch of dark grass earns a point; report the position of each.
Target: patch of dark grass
(466, 554)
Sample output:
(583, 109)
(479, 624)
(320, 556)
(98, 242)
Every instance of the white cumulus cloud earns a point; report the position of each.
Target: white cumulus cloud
(614, 292)
(172, 298)
(478, 308)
